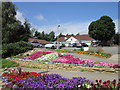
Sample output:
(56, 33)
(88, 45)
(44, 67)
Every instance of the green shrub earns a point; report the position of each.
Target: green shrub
(81, 49)
(8, 64)
(15, 48)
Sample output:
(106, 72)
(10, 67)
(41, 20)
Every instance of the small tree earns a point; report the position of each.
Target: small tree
(102, 29)
(117, 39)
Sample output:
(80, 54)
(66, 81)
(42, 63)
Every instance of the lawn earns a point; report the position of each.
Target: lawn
(8, 63)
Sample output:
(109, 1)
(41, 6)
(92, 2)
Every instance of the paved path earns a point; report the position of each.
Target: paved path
(69, 74)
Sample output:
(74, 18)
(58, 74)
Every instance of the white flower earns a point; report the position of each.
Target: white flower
(79, 85)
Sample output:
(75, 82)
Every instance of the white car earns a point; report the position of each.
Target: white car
(36, 44)
(53, 45)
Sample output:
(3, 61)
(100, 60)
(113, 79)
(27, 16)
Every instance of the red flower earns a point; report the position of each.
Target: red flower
(100, 81)
(114, 81)
(104, 82)
(108, 81)
(13, 81)
(96, 80)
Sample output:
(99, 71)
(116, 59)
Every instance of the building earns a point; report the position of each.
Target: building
(75, 39)
(43, 42)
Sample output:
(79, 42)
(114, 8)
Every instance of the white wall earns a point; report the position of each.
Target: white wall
(72, 40)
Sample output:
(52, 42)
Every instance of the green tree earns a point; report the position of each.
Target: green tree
(61, 35)
(52, 36)
(36, 34)
(116, 38)
(102, 29)
(78, 34)
(12, 29)
(26, 32)
(42, 35)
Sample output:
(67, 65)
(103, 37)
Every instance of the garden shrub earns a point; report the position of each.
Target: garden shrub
(8, 64)
(95, 50)
(15, 48)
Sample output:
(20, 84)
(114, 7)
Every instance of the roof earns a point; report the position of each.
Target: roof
(63, 39)
(38, 40)
(83, 37)
(78, 37)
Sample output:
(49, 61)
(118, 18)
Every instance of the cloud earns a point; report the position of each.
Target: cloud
(70, 28)
(66, 28)
(41, 18)
(19, 16)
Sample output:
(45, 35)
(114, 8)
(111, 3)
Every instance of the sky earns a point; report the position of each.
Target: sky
(73, 17)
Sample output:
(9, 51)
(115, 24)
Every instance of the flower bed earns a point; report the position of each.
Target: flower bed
(49, 57)
(91, 63)
(36, 55)
(102, 54)
(32, 80)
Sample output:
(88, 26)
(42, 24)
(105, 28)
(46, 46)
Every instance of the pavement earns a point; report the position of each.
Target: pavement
(69, 74)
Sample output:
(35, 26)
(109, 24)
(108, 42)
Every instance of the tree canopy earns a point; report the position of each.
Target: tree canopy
(102, 29)
(12, 29)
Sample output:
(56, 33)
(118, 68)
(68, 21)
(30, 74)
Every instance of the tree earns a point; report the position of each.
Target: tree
(61, 35)
(36, 34)
(12, 29)
(27, 31)
(116, 38)
(52, 36)
(78, 34)
(42, 35)
(102, 29)
(8, 21)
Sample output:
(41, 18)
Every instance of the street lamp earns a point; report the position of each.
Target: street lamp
(58, 27)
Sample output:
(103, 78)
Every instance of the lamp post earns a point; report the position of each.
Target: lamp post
(58, 27)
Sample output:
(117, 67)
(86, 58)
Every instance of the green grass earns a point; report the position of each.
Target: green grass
(7, 64)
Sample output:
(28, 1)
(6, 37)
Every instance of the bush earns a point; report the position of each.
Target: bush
(15, 48)
(8, 64)
(95, 50)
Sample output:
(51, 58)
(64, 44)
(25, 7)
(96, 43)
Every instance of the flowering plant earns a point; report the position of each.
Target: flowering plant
(48, 57)
(12, 75)
(90, 63)
(106, 84)
(102, 54)
(53, 81)
(36, 55)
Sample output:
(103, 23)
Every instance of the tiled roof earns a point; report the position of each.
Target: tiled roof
(78, 37)
(38, 40)
(83, 37)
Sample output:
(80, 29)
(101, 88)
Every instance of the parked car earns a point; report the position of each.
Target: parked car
(63, 45)
(95, 44)
(84, 45)
(36, 44)
(80, 45)
(53, 45)
(71, 45)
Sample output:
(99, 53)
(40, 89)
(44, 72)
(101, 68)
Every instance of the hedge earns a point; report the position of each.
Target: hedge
(15, 48)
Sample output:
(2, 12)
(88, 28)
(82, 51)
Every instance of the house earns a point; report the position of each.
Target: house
(43, 42)
(75, 39)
